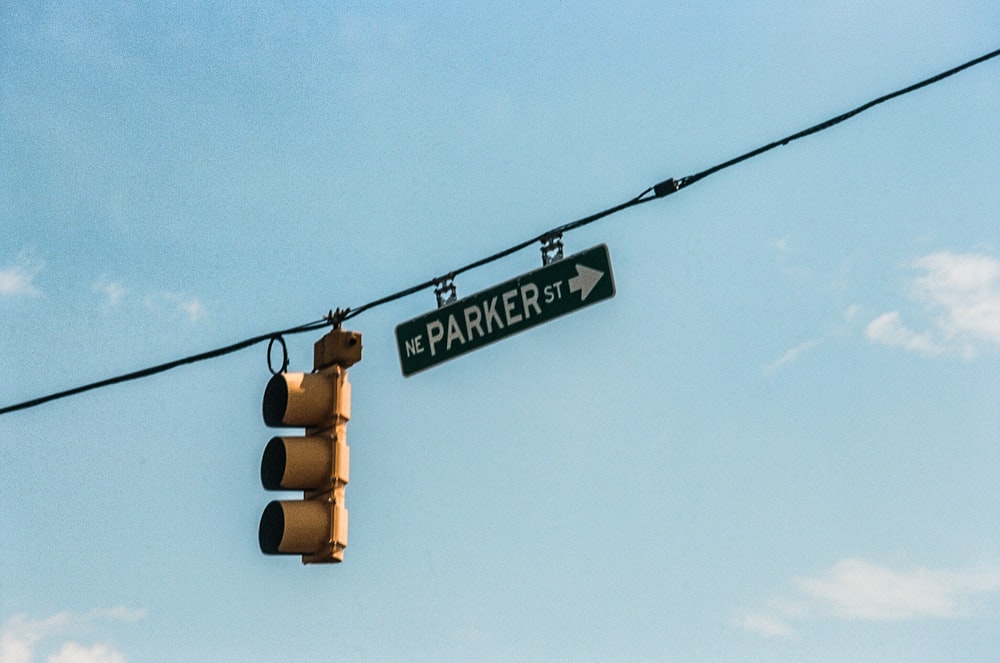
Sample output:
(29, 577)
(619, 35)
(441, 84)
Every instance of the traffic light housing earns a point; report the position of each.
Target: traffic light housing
(317, 463)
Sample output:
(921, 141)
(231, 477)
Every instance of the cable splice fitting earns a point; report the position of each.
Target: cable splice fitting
(666, 187)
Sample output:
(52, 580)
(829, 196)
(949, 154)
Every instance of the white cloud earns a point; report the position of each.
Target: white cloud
(19, 636)
(791, 355)
(960, 293)
(164, 303)
(848, 316)
(187, 306)
(72, 652)
(113, 291)
(192, 308)
(965, 292)
(888, 329)
(781, 245)
(18, 279)
(766, 625)
(857, 590)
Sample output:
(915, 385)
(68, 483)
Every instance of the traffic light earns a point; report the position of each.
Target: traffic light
(318, 463)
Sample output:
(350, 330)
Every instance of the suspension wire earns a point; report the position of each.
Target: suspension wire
(672, 185)
(153, 370)
(660, 190)
(691, 179)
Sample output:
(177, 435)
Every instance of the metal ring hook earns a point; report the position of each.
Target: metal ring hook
(284, 354)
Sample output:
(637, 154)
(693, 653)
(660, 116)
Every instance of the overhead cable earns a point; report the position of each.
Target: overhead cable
(672, 185)
(660, 190)
(153, 370)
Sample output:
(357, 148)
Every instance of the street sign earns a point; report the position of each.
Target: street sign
(531, 299)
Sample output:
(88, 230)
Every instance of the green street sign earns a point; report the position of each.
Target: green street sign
(531, 299)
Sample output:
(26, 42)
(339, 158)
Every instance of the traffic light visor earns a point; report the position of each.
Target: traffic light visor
(298, 463)
(294, 528)
(298, 399)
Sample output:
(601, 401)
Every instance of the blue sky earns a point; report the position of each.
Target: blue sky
(778, 441)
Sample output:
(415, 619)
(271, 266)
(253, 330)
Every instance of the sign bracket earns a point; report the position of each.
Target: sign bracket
(445, 290)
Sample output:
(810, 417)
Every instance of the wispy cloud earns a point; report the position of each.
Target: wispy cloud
(960, 294)
(72, 652)
(165, 303)
(781, 245)
(113, 292)
(187, 306)
(18, 278)
(192, 308)
(20, 635)
(795, 352)
(791, 355)
(767, 625)
(857, 590)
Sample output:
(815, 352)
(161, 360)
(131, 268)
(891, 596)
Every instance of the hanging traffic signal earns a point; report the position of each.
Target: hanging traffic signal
(318, 463)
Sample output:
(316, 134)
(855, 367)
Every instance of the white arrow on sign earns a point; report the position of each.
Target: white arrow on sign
(585, 280)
